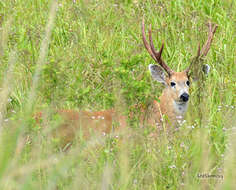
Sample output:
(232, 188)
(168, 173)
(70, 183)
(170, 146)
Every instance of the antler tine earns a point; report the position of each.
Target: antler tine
(202, 53)
(146, 43)
(151, 50)
(207, 45)
(158, 54)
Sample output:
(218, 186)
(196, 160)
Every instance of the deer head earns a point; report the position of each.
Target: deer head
(177, 83)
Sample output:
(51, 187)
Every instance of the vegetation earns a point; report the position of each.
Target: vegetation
(88, 55)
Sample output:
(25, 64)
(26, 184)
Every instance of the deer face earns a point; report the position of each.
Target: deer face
(177, 83)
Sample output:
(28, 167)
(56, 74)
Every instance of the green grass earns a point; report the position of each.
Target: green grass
(90, 56)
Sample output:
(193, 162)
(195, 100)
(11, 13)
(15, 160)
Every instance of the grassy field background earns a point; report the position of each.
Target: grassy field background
(88, 55)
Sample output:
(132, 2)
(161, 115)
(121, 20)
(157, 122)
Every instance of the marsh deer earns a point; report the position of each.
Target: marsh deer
(172, 103)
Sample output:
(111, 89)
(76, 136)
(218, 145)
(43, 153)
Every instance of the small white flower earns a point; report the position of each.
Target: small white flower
(191, 127)
(172, 167)
(157, 125)
(93, 117)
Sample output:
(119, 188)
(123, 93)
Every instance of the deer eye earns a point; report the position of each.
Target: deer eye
(172, 84)
(187, 82)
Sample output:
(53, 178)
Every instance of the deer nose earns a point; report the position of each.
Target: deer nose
(184, 97)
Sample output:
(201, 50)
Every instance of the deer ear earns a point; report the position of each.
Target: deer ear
(157, 73)
(206, 68)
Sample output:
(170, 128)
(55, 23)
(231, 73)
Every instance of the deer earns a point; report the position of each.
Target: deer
(173, 102)
(171, 107)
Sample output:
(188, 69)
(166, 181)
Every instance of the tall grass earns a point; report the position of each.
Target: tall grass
(82, 54)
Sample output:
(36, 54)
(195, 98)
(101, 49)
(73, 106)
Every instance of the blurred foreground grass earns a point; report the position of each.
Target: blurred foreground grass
(89, 55)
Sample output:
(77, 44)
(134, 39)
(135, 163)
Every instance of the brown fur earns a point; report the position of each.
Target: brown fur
(84, 122)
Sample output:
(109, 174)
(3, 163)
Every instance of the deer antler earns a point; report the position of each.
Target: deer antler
(151, 50)
(202, 53)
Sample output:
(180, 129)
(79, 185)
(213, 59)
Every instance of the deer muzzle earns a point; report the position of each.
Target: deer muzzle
(184, 97)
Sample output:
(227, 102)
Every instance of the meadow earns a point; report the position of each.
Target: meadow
(89, 55)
